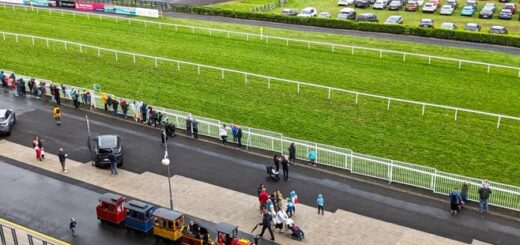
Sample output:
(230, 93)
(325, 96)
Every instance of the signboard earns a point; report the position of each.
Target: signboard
(36, 2)
(120, 10)
(90, 6)
(12, 1)
(154, 13)
(66, 4)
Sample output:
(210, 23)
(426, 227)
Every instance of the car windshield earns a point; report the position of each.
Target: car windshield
(471, 27)
(467, 8)
(428, 5)
(393, 18)
(107, 142)
(506, 11)
(426, 21)
(306, 11)
(446, 7)
(446, 25)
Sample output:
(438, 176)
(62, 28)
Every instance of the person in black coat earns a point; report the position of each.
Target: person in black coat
(57, 96)
(189, 125)
(239, 136)
(292, 153)
(276, 160)
(266, 224)
(285, 167)
(195, 127)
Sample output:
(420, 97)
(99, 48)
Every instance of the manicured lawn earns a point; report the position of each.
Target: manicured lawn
(410, 18)
(470, 146)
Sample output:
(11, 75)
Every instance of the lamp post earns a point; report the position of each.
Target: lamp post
(166, 162)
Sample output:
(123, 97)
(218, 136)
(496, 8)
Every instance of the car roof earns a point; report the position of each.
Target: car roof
(472, 24)
(166, 214)
(112, 198)
(347, 10)
(508, 10)
(447, 5)
(308, 8)
(367, 14)
(497, 27)
(138, 206)
(447, 23)
(426, 20)
(226, 227)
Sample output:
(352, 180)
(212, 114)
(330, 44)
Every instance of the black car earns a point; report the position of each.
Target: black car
(106, 145)
(367, 17)
(7, 120)
(362, 4)
(486, 13)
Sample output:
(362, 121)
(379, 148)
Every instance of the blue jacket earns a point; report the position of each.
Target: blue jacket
(312, 155)
(455, 197)
(320, 200)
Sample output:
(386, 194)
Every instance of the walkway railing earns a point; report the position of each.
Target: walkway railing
(333, 46)
(505, 196)
(247, 75)
(11, 233)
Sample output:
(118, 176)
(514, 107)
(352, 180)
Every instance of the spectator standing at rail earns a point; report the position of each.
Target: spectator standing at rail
(276, 161)
(223, 133)
(52, 89)
(239, 137)
(292, 153)
(484, 191)
(285, 167)
(195, 125)
(2, 76)
(64, 91)
(104, 100)
(31, 85)
(143, 112)
(189, 125)
(22, 86)
(62, 157)
(135, 110)
(115, 106)
(454, 201)
(57, 97)
(320, 201)
(124, 107)
(312, 158)
(234, 132)
(75, 98)
(464, 194)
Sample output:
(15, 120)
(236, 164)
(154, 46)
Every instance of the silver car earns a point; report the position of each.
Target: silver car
(7, 120)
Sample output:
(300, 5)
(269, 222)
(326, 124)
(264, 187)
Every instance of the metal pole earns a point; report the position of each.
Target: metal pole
(170, 186)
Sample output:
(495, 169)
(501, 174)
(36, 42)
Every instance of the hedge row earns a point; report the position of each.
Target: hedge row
(506, 40)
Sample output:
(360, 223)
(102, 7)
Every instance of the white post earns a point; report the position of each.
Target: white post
(247, 37)
(222, 73)
(80, 48)
(316, 149)
(88, 16)
(160, 26)
(193, 30)
(352, 50)
(404, 57)
(456, 112)
(309, 45)
(423, 106)
(50, 13)
(429, 60)
(245, 77)
(210, 32)
(129, 21)
(156, 64)
(73, 13)
(133, 56)
(62, 13)
(329, 93)
(388, 105)
(518, 72)
(248, 138)
(390, 171)
(269, 82)
(116, 19)
(116, 55)
(178, 65)
(460, 64)
(298, 87)
(287, 42)
(16, 36)
(3, 34)
(33, 41)
(100, 18)
(65, 46)
(357, 95)
(47, 41)
(98, 52)
(434, 177)
(198, 69)
(266, 39)
(489, 67)
(228, 34)
(498, 123)
(145, 24)
(380, 54)
(175, 27)
(332, 48)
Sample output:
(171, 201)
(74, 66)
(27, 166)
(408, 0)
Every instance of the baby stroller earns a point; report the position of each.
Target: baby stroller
(297, 233)
(272, 174)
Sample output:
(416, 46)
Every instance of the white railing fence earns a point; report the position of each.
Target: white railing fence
(309, 43)
(248, 75)
(505, 196)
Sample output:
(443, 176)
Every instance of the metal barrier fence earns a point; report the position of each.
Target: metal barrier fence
(10, 235)
(247, 75)
(505, 196)
(309, 43)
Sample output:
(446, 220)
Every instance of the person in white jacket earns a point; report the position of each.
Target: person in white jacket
(280, 220)
(222, 131)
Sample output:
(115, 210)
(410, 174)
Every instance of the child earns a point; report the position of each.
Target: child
(290, 208)
(72, 226)
(294, 199)
(320, 201)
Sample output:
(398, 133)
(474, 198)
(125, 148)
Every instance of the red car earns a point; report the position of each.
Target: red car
(511, 6)
(111, 208)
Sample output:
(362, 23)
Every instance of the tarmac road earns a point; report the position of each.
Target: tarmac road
(384, 36)
(243, 172)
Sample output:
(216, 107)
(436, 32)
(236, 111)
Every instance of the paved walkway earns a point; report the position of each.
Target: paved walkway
(218, 204)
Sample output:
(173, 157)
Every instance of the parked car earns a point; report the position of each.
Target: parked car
(380, 4)
(511, 6)
(367, 17)
(362, 4)
(437, 2)
(491, 6)
(426, 23)
(453, 3)
(7, 120)
(505, 14)
(429, 7)
(324, 15)
(504, 1)
(411, 6)
(467, 11)
(289, 12)
(486, 13)
(347, 14)
(472, 3)
(106, 145)
(308, 12)
(447, 10)
(498, 30)
(448, 26)
(394, 19)
(345, 2)
(472, 27)
(395, 5)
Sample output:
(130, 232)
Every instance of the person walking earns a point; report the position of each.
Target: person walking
(280, 219)
(262, 199)
(464, 194)
(189, 125)
(484, 191)
(195, 125)
(144, 109)
(223, 133)
(63, 157)
(72, 226)
(113, 163)
(290, 208)
(454, 201)
(320, 201)
(285, 167)
(57, 114)
(312, 158)
(266, 224)
(57, 97)
(276, 161)
(292, 153)
(239, 137)
(75, 98)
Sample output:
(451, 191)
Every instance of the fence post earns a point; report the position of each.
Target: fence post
(518, 72)
(247, 37)
(332, 48)
(357, 95)
(210, 31)
(309, 45)
(117, 20)
(133, 56)
(352, 50)
(193, 30)
(222, 73)
(32, 40)
(316, 149)
(434, 178)
(198, 69)
(2, 237)
(81, 48)
(423, 106)
(266, 39)
(404, 57)
(388, 105)
(498, 123)
(65, 45)
(100, 18)
(245, 77)
(98, 52)
(269, 82)
(3, 34)
(456, 112)
(298, 87)
(287, 43)
(380, 54)
(460, 64)
(429, 60)
(178, 65)
(16, 38)
(489, 67)
(160, 26)
(175, 27)
(390, 168)
(228, 34)
(15, 238)
(88, 16)
(116, 55)
(248, 138)
(329, 93)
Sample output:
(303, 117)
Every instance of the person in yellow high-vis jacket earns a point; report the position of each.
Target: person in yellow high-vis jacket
(57, 114)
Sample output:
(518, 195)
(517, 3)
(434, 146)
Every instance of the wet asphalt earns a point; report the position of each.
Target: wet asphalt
(241, 171)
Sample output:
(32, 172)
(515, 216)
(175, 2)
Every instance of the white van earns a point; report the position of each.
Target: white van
(308, 12)
(380, 4)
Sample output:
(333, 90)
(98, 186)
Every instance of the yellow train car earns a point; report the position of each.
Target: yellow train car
(168, 224)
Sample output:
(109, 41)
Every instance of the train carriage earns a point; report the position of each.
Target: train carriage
(110, 208)
(168, 223)
(139, 215)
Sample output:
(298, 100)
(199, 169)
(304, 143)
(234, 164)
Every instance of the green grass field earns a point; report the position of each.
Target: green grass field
(471, 146)
(410, 18)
